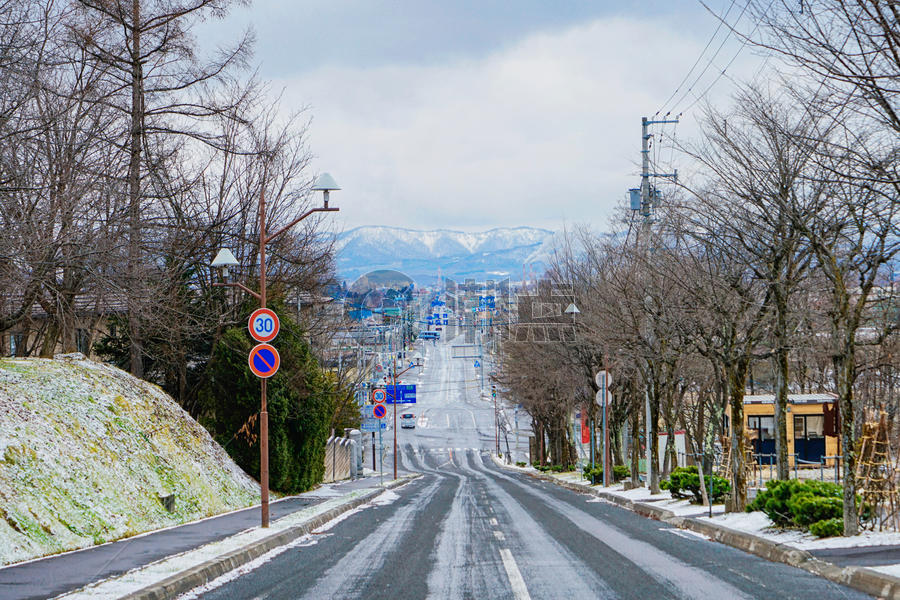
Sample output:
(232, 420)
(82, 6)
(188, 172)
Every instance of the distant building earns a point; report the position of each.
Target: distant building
(812, 427)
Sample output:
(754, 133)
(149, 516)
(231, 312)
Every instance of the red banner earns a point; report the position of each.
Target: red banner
(585, 428)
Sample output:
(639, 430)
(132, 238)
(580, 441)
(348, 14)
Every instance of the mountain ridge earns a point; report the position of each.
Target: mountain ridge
(421, 254)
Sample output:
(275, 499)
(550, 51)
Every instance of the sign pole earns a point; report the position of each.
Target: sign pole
(264, 412)
(605, 392)
(394, 372)
(593, 441)
(381, 456)
(607, 399)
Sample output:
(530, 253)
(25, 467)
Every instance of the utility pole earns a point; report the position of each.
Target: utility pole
(649, 200)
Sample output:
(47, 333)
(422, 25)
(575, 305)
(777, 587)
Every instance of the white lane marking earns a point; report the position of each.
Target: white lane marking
(494, 521)
(692, 581)
(515, 576)
(448, 421)
(499, 535)
(686, 533)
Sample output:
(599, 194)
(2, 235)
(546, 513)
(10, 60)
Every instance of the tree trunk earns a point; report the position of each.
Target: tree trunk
(737, 378)
(134, 197)
(653, 467)
(780, 363)
(48, 347)
(781, 404)
(843, 372)
(636, 445)
(671, 458)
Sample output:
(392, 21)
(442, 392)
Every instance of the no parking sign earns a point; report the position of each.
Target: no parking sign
(264, 360)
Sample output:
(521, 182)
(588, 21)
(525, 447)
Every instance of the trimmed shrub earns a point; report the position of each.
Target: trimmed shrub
(620, 472)
(684, 482)
(809, 509)
(828, 528)
(792, 503)
(814, 505)
(595, 474)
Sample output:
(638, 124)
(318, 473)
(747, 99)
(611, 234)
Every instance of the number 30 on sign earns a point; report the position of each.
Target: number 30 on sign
(263, 325)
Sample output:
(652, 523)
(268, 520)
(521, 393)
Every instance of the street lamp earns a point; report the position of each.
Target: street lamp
(224, 259)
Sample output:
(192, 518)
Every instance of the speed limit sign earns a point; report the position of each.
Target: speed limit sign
(263, 325)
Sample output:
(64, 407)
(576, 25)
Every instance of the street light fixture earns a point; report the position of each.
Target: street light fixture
(224, 259)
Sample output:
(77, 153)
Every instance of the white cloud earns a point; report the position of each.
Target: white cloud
(542, 132)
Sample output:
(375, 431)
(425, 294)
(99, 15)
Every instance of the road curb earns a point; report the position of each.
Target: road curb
(203, 573)
(862, 579)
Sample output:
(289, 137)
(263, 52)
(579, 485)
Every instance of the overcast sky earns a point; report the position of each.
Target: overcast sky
(473, 114)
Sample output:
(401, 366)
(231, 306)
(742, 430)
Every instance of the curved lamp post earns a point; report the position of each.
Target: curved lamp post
(224, 259)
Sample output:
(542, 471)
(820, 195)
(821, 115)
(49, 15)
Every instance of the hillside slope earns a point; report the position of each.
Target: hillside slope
(85, 451)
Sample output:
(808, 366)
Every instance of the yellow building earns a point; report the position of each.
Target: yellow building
(812, 427)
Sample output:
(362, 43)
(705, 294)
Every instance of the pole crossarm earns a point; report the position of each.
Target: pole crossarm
(269, 238)
(239, 286)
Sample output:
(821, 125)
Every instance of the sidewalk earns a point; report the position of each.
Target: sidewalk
(171, 561)
(867, 568)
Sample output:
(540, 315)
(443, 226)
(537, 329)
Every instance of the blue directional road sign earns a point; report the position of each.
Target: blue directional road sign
(477, 364)
(405, 394)
(373, 425)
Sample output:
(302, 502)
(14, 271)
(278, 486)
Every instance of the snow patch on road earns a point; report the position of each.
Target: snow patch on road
(303, 541)
(384, 498)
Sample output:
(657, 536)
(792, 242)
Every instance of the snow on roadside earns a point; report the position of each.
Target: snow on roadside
(139, 578)
(300, 542)
(86, 450)
(755, 523)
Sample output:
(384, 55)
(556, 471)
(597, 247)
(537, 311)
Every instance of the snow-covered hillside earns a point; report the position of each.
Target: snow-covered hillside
(420, 254)
(85, 452)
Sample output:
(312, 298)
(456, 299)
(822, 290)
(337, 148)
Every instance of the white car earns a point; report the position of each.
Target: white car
(407, 421)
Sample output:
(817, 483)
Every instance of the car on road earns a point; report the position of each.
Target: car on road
(407, 421)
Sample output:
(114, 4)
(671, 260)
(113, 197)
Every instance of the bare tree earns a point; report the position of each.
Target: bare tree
(755, 158)
(162, 88)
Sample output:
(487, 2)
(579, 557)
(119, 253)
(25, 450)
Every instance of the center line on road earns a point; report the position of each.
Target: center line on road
(499, 535)
(515, 576)
(493, 521)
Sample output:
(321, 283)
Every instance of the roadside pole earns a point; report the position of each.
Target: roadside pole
(593, 442)
(605, 432)
(380, 456)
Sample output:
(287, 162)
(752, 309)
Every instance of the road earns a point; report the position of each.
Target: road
(469, 529)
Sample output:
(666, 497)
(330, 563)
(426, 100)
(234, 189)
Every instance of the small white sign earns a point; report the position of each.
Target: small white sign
(603, 379)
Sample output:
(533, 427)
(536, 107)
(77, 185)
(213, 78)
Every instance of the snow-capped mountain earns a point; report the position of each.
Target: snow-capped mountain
(459, 255)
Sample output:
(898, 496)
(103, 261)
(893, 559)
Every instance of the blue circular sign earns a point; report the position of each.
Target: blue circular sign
(264, 360)
(379, 411)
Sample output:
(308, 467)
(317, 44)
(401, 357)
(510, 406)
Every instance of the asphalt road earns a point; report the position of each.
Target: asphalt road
(469, 529)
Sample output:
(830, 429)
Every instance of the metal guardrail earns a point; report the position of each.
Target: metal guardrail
(758, 465)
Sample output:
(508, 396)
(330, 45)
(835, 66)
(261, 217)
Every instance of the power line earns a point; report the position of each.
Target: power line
(730, 62)
(699, 58)
(731, 29)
